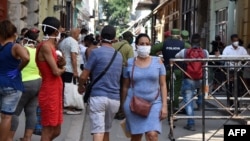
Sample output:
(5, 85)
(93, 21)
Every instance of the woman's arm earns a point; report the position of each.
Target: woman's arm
(22, 53)
(48, 56)
(163, 88)
(125, 86)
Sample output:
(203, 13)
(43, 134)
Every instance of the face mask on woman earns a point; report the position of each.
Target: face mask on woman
(143, 51)
(58, 37)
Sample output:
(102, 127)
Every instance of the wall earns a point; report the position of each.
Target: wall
(243, 20)
(216, 5)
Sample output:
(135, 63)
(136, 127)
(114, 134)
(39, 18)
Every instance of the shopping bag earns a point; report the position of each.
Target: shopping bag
(38, 126)
(71, 96)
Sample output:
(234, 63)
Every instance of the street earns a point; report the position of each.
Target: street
(180, 134)
(74, 124)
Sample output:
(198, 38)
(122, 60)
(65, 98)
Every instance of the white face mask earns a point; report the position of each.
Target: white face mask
(58, 37)
(236, 44)
(29, 42)
(143, 51)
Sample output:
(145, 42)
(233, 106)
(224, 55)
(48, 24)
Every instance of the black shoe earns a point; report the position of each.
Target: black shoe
(189, 127)
(119, 116)
(198, 107)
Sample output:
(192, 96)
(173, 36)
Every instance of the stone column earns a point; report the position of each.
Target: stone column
(17, 13)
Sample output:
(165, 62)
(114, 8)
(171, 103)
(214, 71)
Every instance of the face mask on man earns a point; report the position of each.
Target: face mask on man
(236, 44)
(143, 51)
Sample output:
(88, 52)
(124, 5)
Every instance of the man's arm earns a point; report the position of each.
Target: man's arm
(156, 48)
(74, 63)
(73, 55)
(180, 54)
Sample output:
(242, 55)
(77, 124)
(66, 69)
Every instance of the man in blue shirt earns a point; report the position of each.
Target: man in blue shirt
(104, 99)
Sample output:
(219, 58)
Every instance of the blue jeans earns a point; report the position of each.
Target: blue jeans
(9, 98)
(188, 91)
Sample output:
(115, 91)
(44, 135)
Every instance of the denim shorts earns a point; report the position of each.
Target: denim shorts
(9, 98)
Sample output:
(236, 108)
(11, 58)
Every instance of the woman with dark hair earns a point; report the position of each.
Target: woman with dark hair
(141, 82)
(90, 43)
(50, 94)
(32, 81)
(13, 58)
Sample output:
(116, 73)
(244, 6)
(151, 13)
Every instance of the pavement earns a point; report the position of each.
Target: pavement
(77, 127)
(213, 129)
(71, 130)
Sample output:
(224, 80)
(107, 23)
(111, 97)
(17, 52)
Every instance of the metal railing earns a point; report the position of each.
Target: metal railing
(238, 64)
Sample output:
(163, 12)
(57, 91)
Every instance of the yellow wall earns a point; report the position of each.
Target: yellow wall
(46, 9)
(243, 20)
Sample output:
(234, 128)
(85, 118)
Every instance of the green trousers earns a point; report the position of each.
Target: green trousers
(177, 86)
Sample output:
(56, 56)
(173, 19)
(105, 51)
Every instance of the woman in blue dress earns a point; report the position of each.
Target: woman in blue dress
(149, 79)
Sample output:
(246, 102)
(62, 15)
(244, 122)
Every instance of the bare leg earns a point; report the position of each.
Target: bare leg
(50, 132)
(57, 131)
(106, 136)
(5, 126)
(136, 137)
(98, 137)
(152, 136)
(27, 135)
(11, 135)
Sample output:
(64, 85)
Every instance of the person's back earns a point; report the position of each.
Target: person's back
(191, 82)
(98, 60)
(68, 46)
(171, 47)
(125, 49)
(104, 98)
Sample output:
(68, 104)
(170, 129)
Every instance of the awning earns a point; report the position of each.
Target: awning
(160, 6)
(141, 20)
(83, 12)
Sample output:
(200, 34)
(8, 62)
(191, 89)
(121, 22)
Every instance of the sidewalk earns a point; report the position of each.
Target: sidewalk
(72, 128)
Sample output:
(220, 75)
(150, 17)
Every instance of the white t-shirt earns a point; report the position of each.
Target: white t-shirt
(82, 53)
(68, 46)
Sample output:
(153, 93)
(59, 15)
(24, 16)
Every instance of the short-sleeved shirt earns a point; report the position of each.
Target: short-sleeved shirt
(146, 79)
(109, 84)
(82, 52)
(126, 50)
(67, 46)
(230, 50)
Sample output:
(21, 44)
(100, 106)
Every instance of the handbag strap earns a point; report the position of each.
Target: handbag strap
(132, 80)
(104, 71)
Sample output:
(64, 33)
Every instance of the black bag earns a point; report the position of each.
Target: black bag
(89, 86)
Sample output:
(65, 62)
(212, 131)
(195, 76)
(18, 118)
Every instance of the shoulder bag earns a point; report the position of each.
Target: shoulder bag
(139, 105)
(91, 84)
